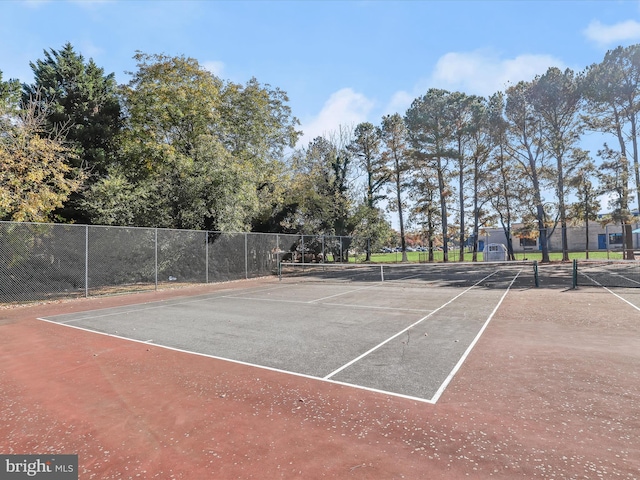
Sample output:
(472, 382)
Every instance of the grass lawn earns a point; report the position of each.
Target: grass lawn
(453, 256)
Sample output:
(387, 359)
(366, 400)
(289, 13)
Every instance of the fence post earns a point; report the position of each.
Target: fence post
(86, 261)
(246, 258)
(156, 256)
(206, 256)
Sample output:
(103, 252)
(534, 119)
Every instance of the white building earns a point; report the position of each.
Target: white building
(603, 238)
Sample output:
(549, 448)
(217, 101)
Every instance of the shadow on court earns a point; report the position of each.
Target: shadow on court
(390, 337)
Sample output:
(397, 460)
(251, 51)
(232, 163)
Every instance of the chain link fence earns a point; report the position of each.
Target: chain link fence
(46, 261)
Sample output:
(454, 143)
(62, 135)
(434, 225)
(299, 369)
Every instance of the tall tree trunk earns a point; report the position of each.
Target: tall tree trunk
(403, 243)
(540, 215)
(636, 168)
(624, 201)
(563, 213)
(461, 199)
(476, 210)
(443, 211)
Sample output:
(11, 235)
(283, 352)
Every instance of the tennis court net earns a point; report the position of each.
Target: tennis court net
(487, 274)
(607, 273)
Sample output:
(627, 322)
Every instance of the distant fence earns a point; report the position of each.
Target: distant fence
(43, 261)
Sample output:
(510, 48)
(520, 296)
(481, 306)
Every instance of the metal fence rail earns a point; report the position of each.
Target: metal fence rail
(44, 261)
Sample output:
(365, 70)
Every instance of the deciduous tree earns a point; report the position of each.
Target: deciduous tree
(36, 176)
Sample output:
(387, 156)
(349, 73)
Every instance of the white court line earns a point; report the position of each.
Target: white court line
(313, 302)
(308, 301)
(453, 372)
(335, 372)
(151, 306)
(611, 292)
(326, 379)
(247, 364)
(376, 284)
(613, 274)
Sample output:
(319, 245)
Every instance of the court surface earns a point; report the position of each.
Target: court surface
(392, 336)
(541, 382)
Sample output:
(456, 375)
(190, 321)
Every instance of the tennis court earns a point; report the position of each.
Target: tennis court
(337, 324)
(334, 373)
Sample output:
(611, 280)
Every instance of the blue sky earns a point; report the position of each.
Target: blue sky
(341, 62)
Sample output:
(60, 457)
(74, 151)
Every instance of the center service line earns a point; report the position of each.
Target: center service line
(376, 284)
(404, 330)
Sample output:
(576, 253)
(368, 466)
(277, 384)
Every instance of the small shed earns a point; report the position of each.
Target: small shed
(495, 252)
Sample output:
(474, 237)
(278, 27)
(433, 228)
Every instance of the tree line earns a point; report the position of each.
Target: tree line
(178, 147)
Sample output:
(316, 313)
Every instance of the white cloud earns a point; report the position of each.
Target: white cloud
(479, 72)
(606, 35)
(343, 108)
(399, 103)
(90, 50)
(485, 73)
(213, 66)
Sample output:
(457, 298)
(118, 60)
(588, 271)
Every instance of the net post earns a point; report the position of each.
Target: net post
(574, 274)
(535, 273)
(280, 271)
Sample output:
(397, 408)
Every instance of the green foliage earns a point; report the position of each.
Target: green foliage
(372, 230)
(612, 92)
(396, 157)
(366, 147)
(322, 188)
(256, 122)
(83, 103)
(431, 127)
(9, 94)
(171, 101)
(35, 173)
(179, 147)
(587, 206)
(196, 152)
